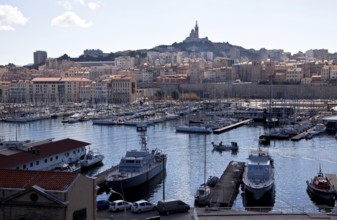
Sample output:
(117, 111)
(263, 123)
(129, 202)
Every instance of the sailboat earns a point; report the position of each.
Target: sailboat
(204, 189)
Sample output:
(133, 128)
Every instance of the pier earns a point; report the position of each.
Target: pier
(100, 177)
(229, 127)
(225, 191)
(333, 180)
(302, 135)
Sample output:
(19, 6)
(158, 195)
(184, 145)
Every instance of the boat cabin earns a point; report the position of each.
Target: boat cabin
(135, 161)
(259, 172)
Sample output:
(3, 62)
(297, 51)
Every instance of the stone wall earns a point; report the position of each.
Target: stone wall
(253, 90)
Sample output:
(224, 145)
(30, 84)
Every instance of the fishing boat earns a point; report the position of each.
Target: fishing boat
(320, 187)
(136, 167)
(225, 147)
(91, 159)
(258, 176)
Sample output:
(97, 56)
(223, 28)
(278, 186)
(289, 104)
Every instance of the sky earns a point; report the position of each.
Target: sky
(72, 26)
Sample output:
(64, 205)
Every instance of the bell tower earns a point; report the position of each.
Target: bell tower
(196, 30)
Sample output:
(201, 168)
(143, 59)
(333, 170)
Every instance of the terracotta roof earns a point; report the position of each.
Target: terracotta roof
(45, 150)
(48, 180)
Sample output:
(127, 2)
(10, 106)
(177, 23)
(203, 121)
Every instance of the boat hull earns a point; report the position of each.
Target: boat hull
(134, 180)
(258, 192)
(323, 195)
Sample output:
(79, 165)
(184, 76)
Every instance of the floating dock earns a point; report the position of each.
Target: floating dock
(225, 191)
(229, 127)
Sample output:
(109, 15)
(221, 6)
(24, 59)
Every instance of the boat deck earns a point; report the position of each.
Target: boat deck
(229, 127)
(333, 180)
(225, 191)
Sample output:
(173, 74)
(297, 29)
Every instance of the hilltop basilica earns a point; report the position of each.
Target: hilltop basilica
(194, 35)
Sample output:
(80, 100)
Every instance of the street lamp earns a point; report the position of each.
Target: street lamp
(114, 192)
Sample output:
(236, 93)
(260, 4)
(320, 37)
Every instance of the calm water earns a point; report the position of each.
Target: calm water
(295, 162)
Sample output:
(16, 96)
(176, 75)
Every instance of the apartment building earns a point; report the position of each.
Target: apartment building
(294, 75)
(19, 91)
(112, 89)
(57, 89)
(40, 57)
(125, 62)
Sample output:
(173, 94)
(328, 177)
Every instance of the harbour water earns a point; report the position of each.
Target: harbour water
(295, 162)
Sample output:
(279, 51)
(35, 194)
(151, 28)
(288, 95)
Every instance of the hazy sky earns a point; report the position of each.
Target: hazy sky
(71, 26)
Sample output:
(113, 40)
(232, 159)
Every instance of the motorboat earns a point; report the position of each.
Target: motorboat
(202, 194)
(194, 127)
(91, 159)
(66, 167)
(225, 147)
(320, 187)
(136, 167)
(258, 175)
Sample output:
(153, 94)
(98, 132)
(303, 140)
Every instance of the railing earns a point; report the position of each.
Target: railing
(264, 210)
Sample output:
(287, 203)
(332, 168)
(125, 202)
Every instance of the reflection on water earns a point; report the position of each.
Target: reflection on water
(322, 205)
(143, 191)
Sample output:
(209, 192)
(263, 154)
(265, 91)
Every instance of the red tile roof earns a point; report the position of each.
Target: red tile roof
(23, 179)
(45, 150)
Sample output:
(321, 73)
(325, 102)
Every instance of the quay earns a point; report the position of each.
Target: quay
(225, 191)
(333, 180)
(229, 127)
(100, 177)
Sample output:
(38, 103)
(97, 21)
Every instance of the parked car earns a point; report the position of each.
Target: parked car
(172, 206)
(102, 204)
(119, 205)
(142, 206)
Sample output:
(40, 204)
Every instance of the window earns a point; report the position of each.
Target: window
(31, 164)
(37, 162)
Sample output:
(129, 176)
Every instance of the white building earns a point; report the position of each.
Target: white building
(125, 62)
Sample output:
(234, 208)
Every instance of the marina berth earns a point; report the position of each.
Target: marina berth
(258, 175)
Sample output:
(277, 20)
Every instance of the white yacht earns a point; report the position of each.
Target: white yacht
(258, 176)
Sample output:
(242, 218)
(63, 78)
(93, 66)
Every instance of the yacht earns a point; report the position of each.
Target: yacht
(137, 166)
(258, 176)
